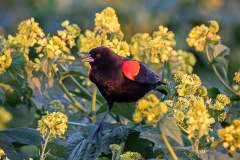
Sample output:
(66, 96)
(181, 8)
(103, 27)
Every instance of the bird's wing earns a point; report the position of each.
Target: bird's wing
(136, 71)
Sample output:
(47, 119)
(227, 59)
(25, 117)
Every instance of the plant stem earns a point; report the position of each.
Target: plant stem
(43, 156)
(94, 98)
(169, 147)
(217, 73)
(68, 94)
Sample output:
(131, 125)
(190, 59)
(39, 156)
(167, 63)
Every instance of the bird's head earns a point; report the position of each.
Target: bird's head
(102, 57)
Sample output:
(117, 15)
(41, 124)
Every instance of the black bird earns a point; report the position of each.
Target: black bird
(120, 79)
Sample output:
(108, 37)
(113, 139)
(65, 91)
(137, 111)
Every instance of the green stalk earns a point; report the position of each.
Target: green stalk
(43, 156)
(169, 147)
(68, 94)
(94, 98)
(209, 58)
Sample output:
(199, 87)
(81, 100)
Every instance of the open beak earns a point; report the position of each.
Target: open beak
(87, 59)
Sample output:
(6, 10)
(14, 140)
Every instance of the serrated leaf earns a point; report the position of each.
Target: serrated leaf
(92, 147)
(2, 96)
(170, 128)
(220, 50)
(153, 135)
(22, 136)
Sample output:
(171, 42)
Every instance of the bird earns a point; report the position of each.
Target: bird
(118, 78)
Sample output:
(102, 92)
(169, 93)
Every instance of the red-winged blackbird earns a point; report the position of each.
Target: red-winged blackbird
(120, 79)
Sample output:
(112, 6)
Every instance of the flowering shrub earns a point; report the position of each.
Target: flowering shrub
(41, 73)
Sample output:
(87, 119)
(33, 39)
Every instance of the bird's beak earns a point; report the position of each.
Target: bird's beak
(87, 59)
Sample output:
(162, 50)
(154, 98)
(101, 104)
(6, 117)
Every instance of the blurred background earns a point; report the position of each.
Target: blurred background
(136, 16)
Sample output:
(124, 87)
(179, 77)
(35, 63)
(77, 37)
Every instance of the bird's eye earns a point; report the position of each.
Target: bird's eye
(98, 55)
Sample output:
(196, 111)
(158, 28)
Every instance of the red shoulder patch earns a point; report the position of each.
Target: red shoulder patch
(89, 72)
(130, 69)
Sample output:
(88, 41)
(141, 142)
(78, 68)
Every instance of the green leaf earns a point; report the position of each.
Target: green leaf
(92, 147)
(170, 128)
(21, 135)
(153, 135)
(220, 50)
(124, 109)
(213, 92)
(2, 96)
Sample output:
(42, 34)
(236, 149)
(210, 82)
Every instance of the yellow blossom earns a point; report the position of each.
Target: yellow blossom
(89, 41)
(182, 61)
(231, 136)
(198, 119)
(131, 156)
(153, 49)
(118, 46)
(5, 117)
(53, 125)
(107, 21)
(202, 91)
(200, 35)
(28, 35)
(237, 77)
(150, 109)
(3, 155)
(187, 84)
(5, 60)
(221, 102)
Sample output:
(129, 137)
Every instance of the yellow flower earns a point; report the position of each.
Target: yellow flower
(187, 84)
(89, 41)
(5, 60)
(153, 49)
(3, 155)
(58, 46)
(202, 91)
(237, 77)
(107, 21)
(182, 61)
(200, 35)
(231, 136)
(131, 156)
(119, 47)
(5, 117)
(149, 109)
(198, 119)
(179, 115)
(53, 125)
(29, 35)
(221, 102)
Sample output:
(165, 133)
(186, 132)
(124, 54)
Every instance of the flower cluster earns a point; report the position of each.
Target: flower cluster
(3, 155)
(221, 101)
(150, 109)
(231, 136)
(131, 156)
(5, 61)
(29, 35)
(53, 125)
(198, 119)
(187, 84)
(199, 36)
(5, 117)
(236, 85)
(182, 61)
(107, 21)
(58, 46)
(156, 48)
(107, 32)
